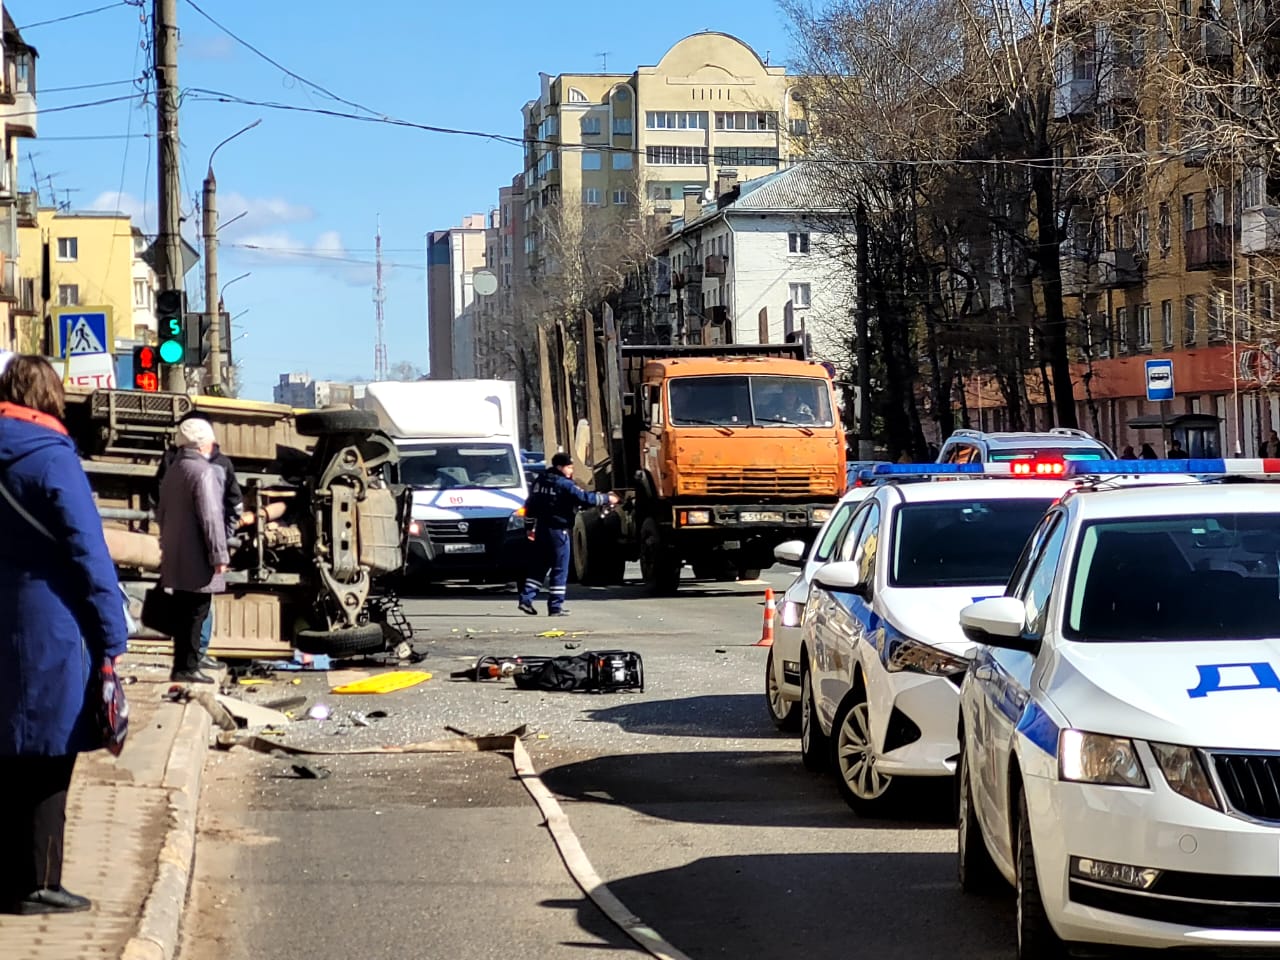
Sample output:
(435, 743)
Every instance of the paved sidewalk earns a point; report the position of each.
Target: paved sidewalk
(130, 830)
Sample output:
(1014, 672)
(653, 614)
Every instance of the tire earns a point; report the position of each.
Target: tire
(351, 642)
(597, 557)
(659, 567)
(1036, 937)
(324, 423)
(752, 573)
(785, 714)
(815, 748)
(974, 867)
(867, 791)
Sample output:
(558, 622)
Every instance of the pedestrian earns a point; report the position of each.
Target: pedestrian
(1127, 453)
(554, 499)
(61, 619)
(1149, 453)
(1272, 447)
(233, 514)
(193, 544)
(1175, 450)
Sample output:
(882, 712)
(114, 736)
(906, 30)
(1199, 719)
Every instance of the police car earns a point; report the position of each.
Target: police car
(882, 650)
(1120, 719)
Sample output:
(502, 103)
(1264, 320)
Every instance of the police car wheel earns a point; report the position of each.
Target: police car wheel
(1036, 938)
(784, 713)
(814, 747)
(864, 788)
(977, 871)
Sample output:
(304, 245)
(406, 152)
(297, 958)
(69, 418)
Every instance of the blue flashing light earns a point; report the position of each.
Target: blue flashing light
(1138, 468)
(925, 469)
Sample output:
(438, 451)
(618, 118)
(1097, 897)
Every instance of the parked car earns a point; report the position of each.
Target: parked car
(882, 654)
(1120, 722)
(1031, 454)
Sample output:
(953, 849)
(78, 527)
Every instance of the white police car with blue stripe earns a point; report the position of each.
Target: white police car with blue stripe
(1120, 719)
(883, 653)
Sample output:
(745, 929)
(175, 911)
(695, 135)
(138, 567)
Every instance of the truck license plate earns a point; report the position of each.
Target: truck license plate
(464, 548)
(754, 517)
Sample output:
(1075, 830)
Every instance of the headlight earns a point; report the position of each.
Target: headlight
(1184, 772)
(695, 518)
(516, 520)
(415, 528)
(821, 514)
(1094, 758)
(792, 613)
(903, 653)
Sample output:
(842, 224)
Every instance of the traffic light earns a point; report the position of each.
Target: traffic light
(146, 369)
(171, 324)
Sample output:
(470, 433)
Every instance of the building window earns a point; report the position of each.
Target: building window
(68, 248)
(1254, 186)
(746, 156)
(68, 295)
(591, 126)
(1119, 232)
(800, 295)
(659, 192)
(591, 196)
(1142, 233)
(1189, 321)
(591, 160)
(548, 127)
(798, 242)
(1243, 314)
(621, 198)
(1103, 339)
(1166, 322)
(677, 156)
(675, 120)
(746, 120)
(1144, 326)
(1165, 229)
(1217, 318)
(140, 291)
(577, 96)
(1188, 212)
(623, 160)
(1266, 308)
(1084, 62)
(798, 126)
(1122, 329)
(1215, 214)
(622, 126)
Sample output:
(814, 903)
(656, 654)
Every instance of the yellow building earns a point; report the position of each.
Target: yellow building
(90, 257)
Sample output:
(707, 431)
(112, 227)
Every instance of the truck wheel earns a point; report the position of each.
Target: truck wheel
(350, 642)
(658, 564)
(323, 423)
(597, 558)
(749, 573)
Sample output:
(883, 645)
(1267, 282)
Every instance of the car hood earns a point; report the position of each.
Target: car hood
(932, 614)
(1205, 694)
(460, 503)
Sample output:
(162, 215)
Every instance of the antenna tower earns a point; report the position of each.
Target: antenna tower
(381, 369)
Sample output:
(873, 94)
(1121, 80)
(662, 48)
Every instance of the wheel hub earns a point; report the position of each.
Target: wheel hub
(857, 758)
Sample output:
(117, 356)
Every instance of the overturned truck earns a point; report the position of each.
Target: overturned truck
(325, 532)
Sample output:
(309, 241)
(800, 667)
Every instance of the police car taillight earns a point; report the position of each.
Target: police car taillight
(1039, 468)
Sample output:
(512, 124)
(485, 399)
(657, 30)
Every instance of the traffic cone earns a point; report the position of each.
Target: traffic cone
(770, 610)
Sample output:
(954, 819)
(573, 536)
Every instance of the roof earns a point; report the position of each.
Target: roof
(1176, 500)
(729, 366)
(798, 189)
(1038, 440)
(983, 489)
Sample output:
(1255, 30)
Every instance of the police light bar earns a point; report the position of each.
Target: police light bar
(883, 470)
(1206, 466)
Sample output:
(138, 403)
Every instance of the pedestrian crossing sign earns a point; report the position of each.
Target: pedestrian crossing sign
(82, 332)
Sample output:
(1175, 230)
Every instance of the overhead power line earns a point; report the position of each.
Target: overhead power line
(82, 13)
(90, 86)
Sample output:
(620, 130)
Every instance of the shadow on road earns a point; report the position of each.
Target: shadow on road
(748, 788)
(819, 906)
(719, 715)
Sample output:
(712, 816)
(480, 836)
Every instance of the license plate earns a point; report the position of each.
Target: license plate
(754, 517)
(464, 548)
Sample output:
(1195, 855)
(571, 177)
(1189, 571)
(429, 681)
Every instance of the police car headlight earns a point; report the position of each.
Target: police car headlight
(792, 613)
(516, 520)
(1184, 772)
(902, 653)
(1094, 758)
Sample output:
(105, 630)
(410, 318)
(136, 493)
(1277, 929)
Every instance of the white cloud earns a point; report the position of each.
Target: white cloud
(215, 47)
(326, 252)
(259, 212)
(143, 212)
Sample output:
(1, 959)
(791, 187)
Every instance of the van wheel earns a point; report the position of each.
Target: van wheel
(865, 789)
(977, 871)
(815, 748)
(1036, 937)
(784, 713)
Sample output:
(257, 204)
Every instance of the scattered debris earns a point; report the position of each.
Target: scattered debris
(358, 718)
(320, 711)
(385, 682)
(254, 682)
(552, 634)
(304, 772)
(721, 650)
(286, 703)
(377, 714)
(572, 646)
(251, 714)
(595, 671)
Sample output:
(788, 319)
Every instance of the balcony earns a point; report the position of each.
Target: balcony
(1260, 230)
(1208, 248)
(1118, 268)
(19, 90)
(28, 209)
(1074, 270)
(1210, 44)
(1118, 84)
(10, 282)
(1075, 99)
(714, 266)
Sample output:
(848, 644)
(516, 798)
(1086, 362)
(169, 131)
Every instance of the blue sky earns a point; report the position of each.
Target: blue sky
(312, 187)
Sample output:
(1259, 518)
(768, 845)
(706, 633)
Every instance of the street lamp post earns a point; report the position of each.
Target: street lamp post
(211, 300)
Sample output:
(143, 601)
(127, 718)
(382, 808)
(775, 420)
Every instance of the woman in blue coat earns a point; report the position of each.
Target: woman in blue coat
(61, 615)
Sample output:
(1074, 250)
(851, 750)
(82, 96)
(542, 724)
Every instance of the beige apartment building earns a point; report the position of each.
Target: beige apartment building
(20, 325)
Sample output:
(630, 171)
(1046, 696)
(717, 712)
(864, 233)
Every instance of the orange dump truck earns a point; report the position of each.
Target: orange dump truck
(719, 455)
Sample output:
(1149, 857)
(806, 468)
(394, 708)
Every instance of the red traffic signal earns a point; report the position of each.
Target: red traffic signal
(146, 369)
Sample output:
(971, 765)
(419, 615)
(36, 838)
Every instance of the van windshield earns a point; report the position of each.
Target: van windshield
(744, 401)
(446, 466)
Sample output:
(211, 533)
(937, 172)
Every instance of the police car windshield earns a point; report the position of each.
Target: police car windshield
(1211, 577)
(961, 543)
(750, 401)
(451, 466)
(1050, 453)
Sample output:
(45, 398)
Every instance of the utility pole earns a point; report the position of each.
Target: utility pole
(865, 443)
(169, 247)
(211, 305)
(381, 369)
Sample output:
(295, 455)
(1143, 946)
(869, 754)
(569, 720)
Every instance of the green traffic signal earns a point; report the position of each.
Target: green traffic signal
(172, 351)
(170, 308)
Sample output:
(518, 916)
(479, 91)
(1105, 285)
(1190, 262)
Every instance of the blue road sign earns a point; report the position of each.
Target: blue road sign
(1160, 379)
(83, 333)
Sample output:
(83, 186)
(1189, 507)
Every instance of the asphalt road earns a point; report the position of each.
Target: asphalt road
(690, 805)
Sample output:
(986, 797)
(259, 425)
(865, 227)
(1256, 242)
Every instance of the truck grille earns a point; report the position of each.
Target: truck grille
(764, 481)
(486, 530)
(1251, 782)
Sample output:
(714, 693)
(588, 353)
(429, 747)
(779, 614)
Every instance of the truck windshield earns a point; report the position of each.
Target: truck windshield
(444, 466)
(750, 401)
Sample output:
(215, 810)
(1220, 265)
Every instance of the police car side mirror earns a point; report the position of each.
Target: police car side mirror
(790, 553)
(998, 622)
(843, 577)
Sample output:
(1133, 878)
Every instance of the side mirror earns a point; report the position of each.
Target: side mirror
(843, 577)
(998, 622)
(790, 553)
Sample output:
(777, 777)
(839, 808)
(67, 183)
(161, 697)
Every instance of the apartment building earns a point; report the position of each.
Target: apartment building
(453, 257)
(20, 324)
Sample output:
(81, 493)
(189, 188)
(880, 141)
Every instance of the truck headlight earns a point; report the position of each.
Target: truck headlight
(695, 518)
(1184, 772)
(516, 520)
(821, 514)
(902, 653)
(1095, 758)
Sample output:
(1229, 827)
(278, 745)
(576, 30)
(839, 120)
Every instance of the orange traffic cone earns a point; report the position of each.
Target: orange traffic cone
(770, 611)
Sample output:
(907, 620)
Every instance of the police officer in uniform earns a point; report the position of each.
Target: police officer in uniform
(553, 500)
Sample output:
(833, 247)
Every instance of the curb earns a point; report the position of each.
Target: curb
(160, 926)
